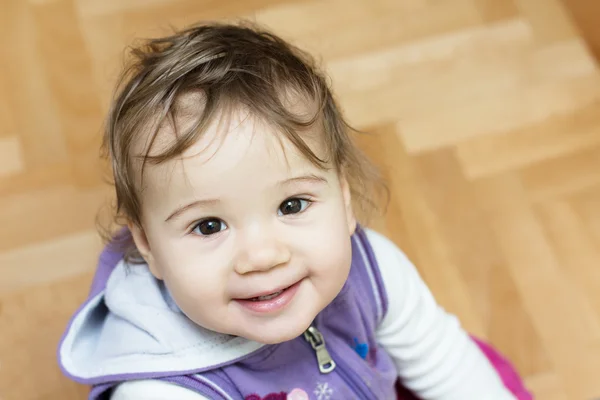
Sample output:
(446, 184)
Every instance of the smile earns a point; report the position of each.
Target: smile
(270, 302)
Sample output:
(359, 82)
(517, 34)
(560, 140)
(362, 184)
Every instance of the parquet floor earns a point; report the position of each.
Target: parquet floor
(486, 116)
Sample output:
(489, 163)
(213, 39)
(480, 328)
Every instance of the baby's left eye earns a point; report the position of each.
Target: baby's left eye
(293, 206)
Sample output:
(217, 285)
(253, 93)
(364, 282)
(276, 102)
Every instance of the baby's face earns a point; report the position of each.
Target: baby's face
(249, 236)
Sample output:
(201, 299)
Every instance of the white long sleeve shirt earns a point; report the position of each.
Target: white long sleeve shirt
(435, 358)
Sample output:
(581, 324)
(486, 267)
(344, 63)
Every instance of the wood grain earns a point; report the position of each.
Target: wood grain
(483, 116)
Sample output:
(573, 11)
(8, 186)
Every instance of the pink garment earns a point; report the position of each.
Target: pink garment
(507, 372)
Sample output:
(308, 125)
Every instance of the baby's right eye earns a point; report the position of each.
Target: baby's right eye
(209, 226)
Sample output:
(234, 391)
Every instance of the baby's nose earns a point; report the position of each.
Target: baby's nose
(261, 254)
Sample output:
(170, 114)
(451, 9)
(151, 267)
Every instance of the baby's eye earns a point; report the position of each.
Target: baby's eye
(293, 206)
(209, 227)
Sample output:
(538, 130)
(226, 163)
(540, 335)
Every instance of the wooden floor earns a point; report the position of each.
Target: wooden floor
(486, 116)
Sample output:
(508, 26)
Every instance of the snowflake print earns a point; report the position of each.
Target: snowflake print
(323, 391)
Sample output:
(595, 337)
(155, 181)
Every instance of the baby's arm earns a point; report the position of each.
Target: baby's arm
(153, 390)
(434, 356)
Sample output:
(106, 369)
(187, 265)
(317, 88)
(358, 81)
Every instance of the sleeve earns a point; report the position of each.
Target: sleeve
(435, 358)
(153, 390)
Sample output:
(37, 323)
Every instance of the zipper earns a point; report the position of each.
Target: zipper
(358, 385)
(326, 363)
(315, 338)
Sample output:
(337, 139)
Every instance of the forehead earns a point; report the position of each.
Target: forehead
(234, 139)
(190, 107)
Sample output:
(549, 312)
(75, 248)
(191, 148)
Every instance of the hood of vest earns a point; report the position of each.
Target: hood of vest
(132, 329)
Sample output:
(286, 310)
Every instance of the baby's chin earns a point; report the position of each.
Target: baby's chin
(274, 337)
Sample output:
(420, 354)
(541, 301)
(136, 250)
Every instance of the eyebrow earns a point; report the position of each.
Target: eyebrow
(310, 178)
(181, 210)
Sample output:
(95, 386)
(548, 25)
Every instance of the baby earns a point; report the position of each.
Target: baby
(242, 272)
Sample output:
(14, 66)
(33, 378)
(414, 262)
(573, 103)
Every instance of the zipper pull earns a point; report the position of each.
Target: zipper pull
(315, 338)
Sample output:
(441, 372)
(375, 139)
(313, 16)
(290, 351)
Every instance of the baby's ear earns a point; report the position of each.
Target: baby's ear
(143, 246)
(350, 217)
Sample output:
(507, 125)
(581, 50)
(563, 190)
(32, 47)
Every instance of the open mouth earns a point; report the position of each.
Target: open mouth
(270, 296)
(272, 302)
(267, 297)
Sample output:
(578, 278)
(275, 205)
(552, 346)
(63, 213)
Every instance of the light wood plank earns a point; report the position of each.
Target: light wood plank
(10, 154)
(495, 10)
(561, 176)
(31, 98)
(556, 136)
(49, 262)
(69, 76)
(549, 19)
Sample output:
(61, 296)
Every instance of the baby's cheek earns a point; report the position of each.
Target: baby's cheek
(333, 247)
(331, 264)
(194, 290)
(201, 305)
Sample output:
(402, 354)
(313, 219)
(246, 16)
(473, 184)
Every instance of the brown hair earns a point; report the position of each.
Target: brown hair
(229, 65)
